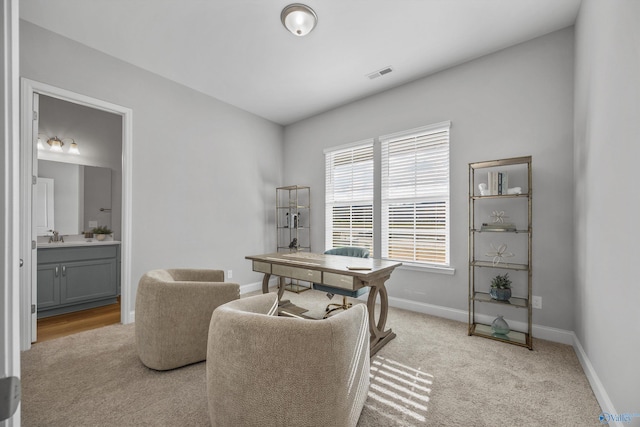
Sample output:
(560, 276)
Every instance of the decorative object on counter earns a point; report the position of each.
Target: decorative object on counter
(101, 232)
(501, 287)
(499, 253)
(88, 235)
(500, 326)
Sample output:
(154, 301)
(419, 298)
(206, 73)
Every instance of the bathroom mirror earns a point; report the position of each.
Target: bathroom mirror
(81, 197)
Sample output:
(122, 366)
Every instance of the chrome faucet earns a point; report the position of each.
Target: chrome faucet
(56, 237)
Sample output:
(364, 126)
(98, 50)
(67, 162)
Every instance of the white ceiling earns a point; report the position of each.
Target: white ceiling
(239, 52)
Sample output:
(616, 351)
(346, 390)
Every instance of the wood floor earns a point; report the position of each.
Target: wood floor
(67, 324)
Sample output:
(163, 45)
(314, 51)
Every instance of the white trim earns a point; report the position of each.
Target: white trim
(596, 385)
(10, 200)
(541, 332)
(29, 87)
(425, 268)
(251, 287)
(446, 125)
(348, 146)
(256, 286)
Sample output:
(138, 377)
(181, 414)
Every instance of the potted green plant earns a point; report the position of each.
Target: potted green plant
(101, 232)
(501, 287)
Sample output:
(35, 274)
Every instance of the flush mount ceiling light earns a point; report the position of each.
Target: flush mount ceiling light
(299, 19)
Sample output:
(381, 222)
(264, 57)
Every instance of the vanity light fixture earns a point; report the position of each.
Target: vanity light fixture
(41, 141)
(73, 147)
(56, 144)
(299, 19)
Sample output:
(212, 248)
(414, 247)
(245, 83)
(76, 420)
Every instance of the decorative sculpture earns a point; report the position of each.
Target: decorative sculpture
(499, 253)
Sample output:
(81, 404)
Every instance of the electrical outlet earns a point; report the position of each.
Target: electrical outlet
(536, 302)
(229, 274)
(93, 224)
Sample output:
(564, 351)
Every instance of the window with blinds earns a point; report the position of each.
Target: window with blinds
(415, 195)
(349, 196)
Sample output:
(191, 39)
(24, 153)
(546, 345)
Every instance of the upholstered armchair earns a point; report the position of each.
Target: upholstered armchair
(352, 251)
(173, 311)
(265, 370)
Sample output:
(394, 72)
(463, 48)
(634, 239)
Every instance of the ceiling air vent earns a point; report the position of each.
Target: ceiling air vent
(380, 73)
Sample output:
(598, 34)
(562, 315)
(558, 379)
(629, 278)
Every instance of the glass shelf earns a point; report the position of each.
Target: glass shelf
(514, 337)
(475, 230)
(513, 301)
(503, 265)
(502, 196)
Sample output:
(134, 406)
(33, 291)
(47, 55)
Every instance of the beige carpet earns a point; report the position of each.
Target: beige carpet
(432, 374)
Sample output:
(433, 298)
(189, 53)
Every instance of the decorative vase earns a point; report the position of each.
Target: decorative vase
(101, 236)
(500, 326)
(500, 294)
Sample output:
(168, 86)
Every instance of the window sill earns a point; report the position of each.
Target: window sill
(427, 268)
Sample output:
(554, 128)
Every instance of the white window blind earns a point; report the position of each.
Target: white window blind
(349, 196)
(415, 195)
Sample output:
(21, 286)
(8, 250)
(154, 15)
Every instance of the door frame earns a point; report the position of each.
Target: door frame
(27, 152)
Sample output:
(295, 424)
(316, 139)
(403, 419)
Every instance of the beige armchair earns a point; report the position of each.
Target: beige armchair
(265, 370)
(173, 311)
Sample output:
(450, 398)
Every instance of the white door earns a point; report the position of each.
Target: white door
(44, 206)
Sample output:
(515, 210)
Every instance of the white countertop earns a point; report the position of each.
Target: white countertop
(86, 242)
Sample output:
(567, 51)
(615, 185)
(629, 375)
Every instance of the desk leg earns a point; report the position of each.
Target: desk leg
(379, 337)
(265, 285)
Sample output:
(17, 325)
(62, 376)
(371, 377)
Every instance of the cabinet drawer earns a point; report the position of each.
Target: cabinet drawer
(262, 267)
(76, 253)
(296, 273)
(342, 281)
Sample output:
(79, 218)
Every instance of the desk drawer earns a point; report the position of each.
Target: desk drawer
(262, 267)
(342, 281)
(296, 273)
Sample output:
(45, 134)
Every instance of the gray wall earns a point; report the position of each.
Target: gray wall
(607, 149)
(515, 102)
(204, 172)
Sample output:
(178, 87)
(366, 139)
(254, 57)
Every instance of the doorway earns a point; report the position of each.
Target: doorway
(31, 91)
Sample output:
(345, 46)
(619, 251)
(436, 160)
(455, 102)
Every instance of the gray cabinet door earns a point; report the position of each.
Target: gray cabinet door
(88, 280)
(48, 285)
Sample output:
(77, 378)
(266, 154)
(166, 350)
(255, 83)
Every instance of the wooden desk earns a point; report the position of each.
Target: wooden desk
(333, 270)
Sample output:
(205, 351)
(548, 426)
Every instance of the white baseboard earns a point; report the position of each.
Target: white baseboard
(257, 286)
(596, 385)
(543, 332)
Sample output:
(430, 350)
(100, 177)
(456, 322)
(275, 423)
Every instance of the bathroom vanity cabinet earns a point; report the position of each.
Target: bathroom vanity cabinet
(72, 278)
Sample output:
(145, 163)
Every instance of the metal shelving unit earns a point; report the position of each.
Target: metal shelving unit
(518, 167)
(293, 225)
